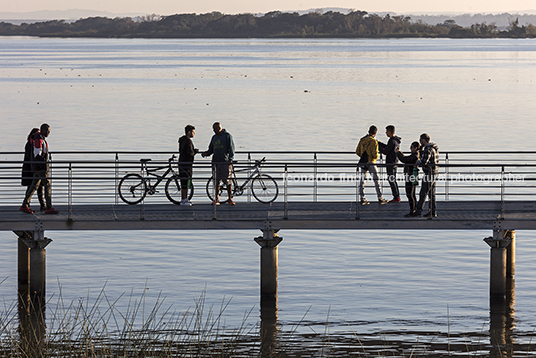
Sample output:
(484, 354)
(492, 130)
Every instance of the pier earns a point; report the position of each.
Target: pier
(87, 200)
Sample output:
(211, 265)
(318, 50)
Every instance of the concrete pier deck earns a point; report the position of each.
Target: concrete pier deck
(453, 215)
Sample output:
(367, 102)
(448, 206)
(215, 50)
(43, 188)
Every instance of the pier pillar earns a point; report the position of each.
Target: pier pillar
(23, 274)
(32, 289)
(511, 254)
(268, 243)
(498, 243)
(32, 265)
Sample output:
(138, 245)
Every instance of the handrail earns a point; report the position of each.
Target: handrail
(88, 177)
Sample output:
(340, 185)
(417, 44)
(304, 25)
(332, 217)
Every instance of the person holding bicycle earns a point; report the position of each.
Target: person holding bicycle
(222, 149)
(186, 159)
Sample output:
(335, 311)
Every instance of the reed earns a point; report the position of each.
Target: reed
(148, 327)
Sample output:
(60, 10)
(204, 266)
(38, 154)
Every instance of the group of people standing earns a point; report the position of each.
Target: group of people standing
(423, 154)
(222, 149)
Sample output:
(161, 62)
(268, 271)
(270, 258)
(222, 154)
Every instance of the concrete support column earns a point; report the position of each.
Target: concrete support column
(498, 262)
(268, 243)
(23, 263)
(32, 289)
(32, 265)
(511, 254)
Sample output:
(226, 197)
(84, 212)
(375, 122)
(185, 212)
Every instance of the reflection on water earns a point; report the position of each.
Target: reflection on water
(268, 327)
(502, 323)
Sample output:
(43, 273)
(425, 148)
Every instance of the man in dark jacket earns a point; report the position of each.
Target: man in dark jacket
(390, 149)
(186, 159)
(428, 162)
(40, 157)
(411, 175)
(222, 148)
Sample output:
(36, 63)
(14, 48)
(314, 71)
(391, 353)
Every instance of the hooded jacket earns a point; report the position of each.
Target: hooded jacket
(429, 159)
(368, 144)
(390, 149)
(222, 146)
(186, 150)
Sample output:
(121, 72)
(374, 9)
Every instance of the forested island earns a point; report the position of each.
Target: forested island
(276, 24)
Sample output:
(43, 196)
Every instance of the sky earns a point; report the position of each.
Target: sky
(167, 7)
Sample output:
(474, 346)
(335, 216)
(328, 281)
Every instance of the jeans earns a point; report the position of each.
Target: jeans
(428, 188)
(410, 193)
(391, 177)
(374, 171)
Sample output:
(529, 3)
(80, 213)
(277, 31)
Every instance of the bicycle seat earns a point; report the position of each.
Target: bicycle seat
(145, 160)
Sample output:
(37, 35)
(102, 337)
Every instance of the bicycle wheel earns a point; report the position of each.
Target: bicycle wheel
(132, 189)
(223, 193)
(173, 190)
(264, 188)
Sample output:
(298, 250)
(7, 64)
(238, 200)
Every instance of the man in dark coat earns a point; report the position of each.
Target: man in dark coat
(40, 157)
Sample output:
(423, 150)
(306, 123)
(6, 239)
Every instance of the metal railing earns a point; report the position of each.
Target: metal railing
(80, 178)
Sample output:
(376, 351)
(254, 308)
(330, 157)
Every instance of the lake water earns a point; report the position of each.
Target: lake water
(411, 286)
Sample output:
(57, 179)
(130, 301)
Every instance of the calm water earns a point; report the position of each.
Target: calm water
(279, 95)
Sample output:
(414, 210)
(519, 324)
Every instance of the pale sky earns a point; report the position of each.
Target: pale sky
(167, 7)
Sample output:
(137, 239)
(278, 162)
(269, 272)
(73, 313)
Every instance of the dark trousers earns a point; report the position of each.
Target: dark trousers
(41, 183)
(428, 189)
(411, 190)
(391, 178)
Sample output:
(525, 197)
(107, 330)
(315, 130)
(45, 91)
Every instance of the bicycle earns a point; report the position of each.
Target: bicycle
(134, 187)
(263, 187)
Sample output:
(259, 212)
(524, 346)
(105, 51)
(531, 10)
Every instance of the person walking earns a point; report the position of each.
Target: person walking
(411, 175)
(391, 160)
(367, 150)
(187, 151)
(429, 163)
(222, 149)
(40, 167)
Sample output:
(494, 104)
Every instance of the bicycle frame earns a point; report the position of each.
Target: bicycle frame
(151, 173)
(241, 188)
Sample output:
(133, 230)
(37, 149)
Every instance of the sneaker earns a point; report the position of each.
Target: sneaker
(382, 201)
(26, 209)
(186, 202)
(42, 208)
(364, 202)
(410, 215)
(231, 202)
(397, 200)
(51, 211)
(216, 202)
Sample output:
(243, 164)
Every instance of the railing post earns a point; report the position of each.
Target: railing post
(215, 192)
(447, 177)
(315, 183)
(357, 200)
(70, 193)
(249, 174)
(116, 178)
(502, 192)
(285, 191)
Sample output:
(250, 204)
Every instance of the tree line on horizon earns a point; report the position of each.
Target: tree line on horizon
(275, 24)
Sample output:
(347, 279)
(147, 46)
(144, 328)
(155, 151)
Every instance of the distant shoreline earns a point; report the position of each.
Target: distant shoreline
(276, 24)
